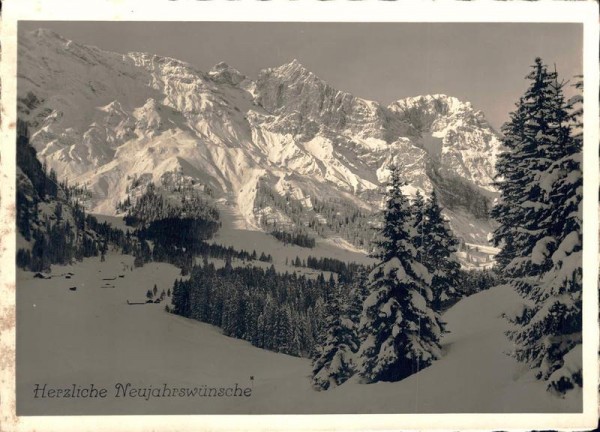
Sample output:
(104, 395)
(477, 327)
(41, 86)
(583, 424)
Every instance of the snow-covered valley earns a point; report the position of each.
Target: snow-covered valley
(91, 335)
(181, 229)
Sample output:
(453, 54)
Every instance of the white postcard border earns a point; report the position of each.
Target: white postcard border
(288, 11)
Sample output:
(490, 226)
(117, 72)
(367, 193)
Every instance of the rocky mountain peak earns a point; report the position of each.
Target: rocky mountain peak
(431, 112)
(435, 105)
(112, 107)
(133, 115)
(292, 68)
(294, 73)
(291, 88)
(224, 74)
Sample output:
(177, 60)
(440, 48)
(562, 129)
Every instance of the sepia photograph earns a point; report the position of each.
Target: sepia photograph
(241, 217)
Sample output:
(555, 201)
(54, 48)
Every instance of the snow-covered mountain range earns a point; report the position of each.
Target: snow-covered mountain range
(115, 121)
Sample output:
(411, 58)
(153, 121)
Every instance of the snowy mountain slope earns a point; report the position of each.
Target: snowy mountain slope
(235, 233)
(291, 88)
(52, 227)
(137, 345)
(104, 119)
(457, 136)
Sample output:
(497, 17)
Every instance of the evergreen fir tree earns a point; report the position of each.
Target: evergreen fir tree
(439, 245)
(334, 360)
(399, 332)
(181, 298)
(540, 230)
(418, 215)
(359, 291)
(537, 134)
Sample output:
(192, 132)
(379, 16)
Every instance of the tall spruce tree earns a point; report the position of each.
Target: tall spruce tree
(419, 222)
(399, 332)
(539, 212)
(537, 134)
(359, 291)
(440, 244)
(333, 363)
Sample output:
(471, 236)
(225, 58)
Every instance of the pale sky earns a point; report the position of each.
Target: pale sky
(484, 63)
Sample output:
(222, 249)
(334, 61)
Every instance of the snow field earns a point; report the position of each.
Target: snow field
(232, 234)
(91, 335)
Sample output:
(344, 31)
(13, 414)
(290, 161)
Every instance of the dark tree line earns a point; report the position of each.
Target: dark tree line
(179, 241)
(474, 281)
(345, 271)
(154, 206)
(176, 225)
(278, 312)
(296, 238)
